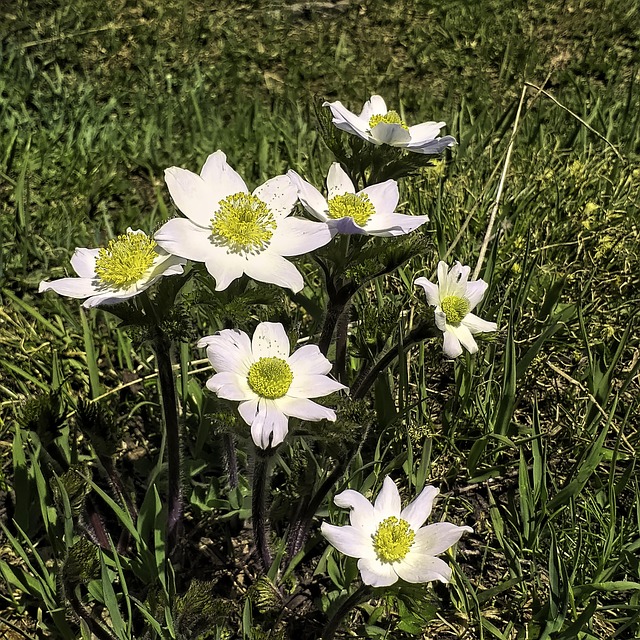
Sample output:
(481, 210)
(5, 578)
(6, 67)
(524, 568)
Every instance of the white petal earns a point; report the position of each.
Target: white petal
(191, 194)
(462, 333)
(108, 298)
(431, 147)
(312, 200)
(451, 345)
(83, 262)
(270, 267)
(225, 267)
(269, 425)
(279, 194)
(430, 289)
(348, 540)
(384, 196)
(376, 573)
(362, 515)
(374, 106)
(222, 179)
(230, 386)
(418, 568)
(348, 121)
(270, 340)
(387, 503)
(164, 265)
(443, 278)
(425, 132)
(419, 510)
(393, 134)
(73, 287)
(441, 318)
(475, 292)
(230, 350)
(313, 386)
(295, 236)
(437, 538)
(478, 325)
(338, 182)
(388, 225)
(308, 360)
(304, 409)
(249, 410)
(183, 238)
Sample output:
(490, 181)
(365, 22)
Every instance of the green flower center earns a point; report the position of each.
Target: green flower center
(125, 260)
(455, 308)
(391, 117)
(243, 224)
(393, 539)
(350, 205)
(270, 377)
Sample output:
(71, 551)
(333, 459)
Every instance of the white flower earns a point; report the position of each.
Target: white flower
(378, 125)
(270, 384)
(392, 543)
(369, 212)
(128, 265)
(234, 232)
(454, 297)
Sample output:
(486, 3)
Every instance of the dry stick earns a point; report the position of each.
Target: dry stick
(576, 116)
(503, 177)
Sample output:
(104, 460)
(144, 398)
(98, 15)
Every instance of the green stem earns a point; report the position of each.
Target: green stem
(360, 595)
(259, 495)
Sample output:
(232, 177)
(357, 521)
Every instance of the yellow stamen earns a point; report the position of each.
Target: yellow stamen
(350, 205)
(125, 260)
(270, 377)
(393, 539)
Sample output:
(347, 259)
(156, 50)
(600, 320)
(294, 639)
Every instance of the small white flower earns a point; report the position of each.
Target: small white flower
(270, 384)
(378, 125)
(369, 212)
(392, 543)
(234, 232)
(128, 265)
(454, 297)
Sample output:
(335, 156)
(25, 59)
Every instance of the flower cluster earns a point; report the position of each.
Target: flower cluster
(234, 232)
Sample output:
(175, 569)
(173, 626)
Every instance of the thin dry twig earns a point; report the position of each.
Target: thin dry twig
(503, 178)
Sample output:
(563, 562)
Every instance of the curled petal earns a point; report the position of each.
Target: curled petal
(312, 200)
(451, 346)
(279, 194)
(475, 292)
(83, 262)
(338, 182)
(348, 121)
(478, 325)
(462, 333)
(374, 106)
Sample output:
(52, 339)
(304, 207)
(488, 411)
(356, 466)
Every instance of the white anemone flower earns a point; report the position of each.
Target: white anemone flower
(454, 297)
(235, 232)
(378, 125)
(369, 212)
(391, 542)
(128, 265)
(270, 384)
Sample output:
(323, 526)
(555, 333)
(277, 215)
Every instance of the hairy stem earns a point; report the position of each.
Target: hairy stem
(162, 348)
(259, 507)
(362, 593)
(342, 328)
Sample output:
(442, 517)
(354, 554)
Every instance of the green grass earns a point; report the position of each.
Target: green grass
(533, 442)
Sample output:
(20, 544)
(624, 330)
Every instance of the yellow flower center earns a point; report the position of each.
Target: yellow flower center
(270, 377)
(393, 539)
(455, 308)
(125, 260)
(350, 205)
(391, 117)
(243, 224)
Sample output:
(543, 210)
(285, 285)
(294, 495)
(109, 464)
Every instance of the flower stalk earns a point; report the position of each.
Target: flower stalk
(259, 507)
